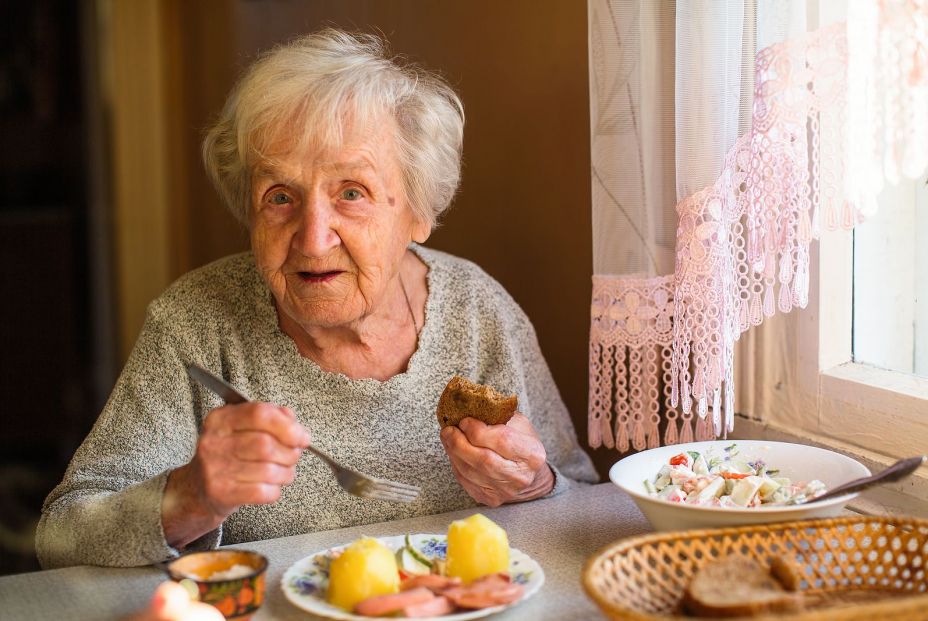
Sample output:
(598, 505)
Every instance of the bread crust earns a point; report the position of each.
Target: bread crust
(737, 586)
(463, 398)
(786, 573)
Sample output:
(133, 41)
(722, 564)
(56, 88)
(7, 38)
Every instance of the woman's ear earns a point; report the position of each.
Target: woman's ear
(421, 231)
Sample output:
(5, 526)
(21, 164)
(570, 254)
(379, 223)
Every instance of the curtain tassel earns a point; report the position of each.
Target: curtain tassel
(621, 439)
(670, 434)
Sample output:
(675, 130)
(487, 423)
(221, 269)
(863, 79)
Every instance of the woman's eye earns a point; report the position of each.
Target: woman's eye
(278, 198)
(352, 194)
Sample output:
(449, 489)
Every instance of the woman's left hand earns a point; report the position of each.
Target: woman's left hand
(171, 602)
(497, 464)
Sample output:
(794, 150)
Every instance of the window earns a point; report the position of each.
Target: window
(890, 314)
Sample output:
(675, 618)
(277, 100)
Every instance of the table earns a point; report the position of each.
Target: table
(560, 533)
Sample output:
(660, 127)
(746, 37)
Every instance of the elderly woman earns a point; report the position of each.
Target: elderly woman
(338, 324)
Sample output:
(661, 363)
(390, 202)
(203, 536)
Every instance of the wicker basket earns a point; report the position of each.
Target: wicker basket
(844, 563)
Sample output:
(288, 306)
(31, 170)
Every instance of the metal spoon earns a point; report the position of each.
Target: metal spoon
(899, 470)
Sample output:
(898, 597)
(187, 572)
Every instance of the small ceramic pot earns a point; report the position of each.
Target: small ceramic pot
(236, 596)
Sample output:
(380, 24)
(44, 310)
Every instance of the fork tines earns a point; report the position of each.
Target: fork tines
(392, 491)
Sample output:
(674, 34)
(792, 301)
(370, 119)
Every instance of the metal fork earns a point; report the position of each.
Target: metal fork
(899, 470)
(350, 480)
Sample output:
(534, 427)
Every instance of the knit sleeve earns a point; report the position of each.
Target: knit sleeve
(107, 509)
(541, 402)
(517, 363)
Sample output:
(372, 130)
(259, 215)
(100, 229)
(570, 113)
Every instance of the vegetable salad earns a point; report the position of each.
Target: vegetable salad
(727, 480)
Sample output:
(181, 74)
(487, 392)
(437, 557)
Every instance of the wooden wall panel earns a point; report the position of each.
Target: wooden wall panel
(201, 72)
(134, 90)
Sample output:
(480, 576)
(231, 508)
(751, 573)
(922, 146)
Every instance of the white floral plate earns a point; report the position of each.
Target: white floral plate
(306, 581)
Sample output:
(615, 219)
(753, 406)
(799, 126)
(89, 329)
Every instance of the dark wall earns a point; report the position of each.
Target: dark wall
(45, 344)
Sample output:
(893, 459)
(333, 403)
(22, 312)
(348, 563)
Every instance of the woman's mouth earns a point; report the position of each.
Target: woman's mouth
(318, 277)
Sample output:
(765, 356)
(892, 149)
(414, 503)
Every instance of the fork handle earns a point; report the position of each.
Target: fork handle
(899, 470)
(324, 457)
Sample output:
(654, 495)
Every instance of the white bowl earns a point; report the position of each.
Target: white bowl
(796, 461)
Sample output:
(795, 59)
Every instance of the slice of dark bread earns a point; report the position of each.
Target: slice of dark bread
(737, 586)
(462, 398)
(785, 572)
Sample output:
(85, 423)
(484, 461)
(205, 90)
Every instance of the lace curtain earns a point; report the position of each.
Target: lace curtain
(724, 136)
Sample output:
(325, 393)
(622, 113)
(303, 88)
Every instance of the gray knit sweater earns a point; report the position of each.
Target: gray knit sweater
(106, 511)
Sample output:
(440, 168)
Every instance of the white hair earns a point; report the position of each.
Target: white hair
(305, 89)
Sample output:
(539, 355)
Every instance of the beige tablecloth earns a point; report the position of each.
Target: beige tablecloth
(560, 533)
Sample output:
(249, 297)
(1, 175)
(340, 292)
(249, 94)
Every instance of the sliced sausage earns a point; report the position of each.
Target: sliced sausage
(435, 607)
(497, 576)
(491, 582)
(387, 604)
(509, 595)
(485, 592)
(436, 584)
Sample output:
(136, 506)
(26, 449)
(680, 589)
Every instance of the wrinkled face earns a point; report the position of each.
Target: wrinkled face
(329, 228)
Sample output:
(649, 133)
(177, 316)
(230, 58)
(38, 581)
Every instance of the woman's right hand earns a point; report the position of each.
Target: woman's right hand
(245, 454)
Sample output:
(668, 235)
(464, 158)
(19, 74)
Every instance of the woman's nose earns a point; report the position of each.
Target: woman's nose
(317, 233)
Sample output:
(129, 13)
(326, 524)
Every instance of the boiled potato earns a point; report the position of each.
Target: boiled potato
(476, 547)
(366, 568)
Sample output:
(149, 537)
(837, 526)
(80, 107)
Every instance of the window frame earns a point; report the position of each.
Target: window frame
(852, 396)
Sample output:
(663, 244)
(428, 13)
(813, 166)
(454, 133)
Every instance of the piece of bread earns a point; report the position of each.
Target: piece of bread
(462, 398)
(785, 572)
(737, 586)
